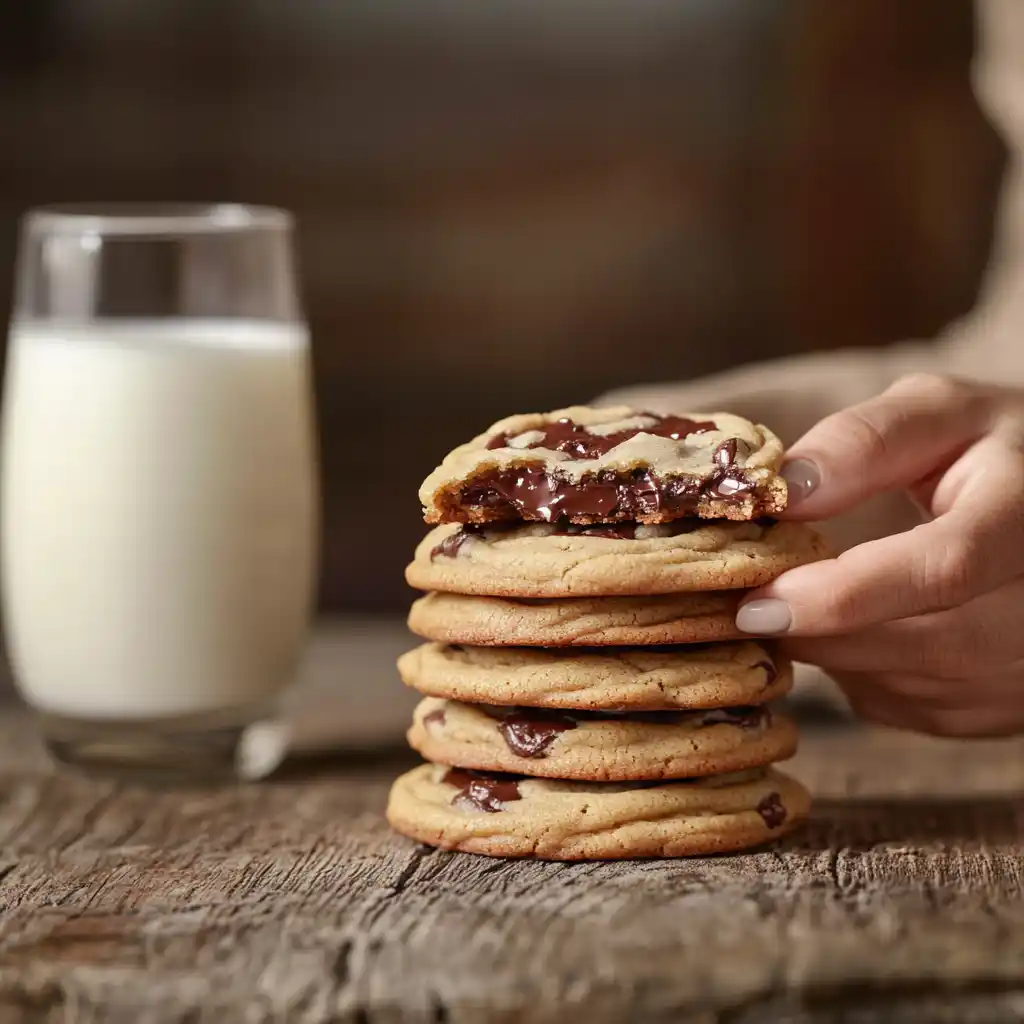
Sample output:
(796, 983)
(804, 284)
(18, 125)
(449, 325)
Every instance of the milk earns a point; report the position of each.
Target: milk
(157, 514)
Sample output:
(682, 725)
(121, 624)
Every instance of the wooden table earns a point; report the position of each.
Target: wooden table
(291, 901)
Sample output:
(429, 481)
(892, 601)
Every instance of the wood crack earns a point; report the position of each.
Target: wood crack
(5, 870)
(405, 876)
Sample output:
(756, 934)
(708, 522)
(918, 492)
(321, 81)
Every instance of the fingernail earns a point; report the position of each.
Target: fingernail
(802, 478)
(764, 617)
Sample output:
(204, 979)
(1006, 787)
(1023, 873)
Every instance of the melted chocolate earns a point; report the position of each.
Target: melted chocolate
(578, 442)
(530, 492)
(725, 454)
(730, 484)
(771, 672)
(482, 791)
(744, 717)
(772, 811)
(529, 732)
(452, 544)
(437, 715)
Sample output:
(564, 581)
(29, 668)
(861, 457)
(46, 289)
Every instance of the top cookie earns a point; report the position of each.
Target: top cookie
(609, 465)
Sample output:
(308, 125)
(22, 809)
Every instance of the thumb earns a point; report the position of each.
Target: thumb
(918, 426)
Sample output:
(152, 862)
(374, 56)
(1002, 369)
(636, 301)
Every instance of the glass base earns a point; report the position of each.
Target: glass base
(202, 750)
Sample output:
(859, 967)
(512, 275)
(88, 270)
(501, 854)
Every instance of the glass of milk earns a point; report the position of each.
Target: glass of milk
(158, 500)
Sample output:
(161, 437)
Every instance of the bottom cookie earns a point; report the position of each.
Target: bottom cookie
(515, 816)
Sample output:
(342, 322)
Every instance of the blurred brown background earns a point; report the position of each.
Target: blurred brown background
(516, 204)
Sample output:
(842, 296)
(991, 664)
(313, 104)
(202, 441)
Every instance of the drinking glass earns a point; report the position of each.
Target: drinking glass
(158, 499)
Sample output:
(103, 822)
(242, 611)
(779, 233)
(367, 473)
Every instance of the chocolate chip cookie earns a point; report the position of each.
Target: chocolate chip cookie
(600, 746)
(576, 622)
(609, 465)
(514, 816)
(570, 560)
(626, 679)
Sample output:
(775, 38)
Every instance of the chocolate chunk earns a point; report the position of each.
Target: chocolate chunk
(437, 715)
(725, 453)
(730, 485)
(578, 442)
(744, 717)
(772, 811)
(482, 791)
(529, 732)
(771, 672)
(452, 544)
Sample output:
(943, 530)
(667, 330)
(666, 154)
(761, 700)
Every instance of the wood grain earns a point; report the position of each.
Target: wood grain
(291, 901)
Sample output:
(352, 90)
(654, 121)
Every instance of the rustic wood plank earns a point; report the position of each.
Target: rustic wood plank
(292, 901)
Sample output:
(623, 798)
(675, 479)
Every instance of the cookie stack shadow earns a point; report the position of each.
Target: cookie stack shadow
(586, 694)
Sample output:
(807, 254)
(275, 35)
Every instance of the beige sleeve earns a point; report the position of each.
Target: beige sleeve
(791, 395)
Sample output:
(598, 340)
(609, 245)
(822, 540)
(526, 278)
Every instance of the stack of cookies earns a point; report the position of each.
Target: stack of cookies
(587, 694)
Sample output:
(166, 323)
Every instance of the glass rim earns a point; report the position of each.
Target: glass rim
(154, 219)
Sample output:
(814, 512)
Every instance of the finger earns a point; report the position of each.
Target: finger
(976, 546)
(983, 635)
(890, 441)
(886, 700)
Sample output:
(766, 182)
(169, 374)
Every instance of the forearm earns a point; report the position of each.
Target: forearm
(791, 394)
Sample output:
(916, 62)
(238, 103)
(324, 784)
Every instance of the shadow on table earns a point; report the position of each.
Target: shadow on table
(386, 759)
(920, 824)
(815, 711)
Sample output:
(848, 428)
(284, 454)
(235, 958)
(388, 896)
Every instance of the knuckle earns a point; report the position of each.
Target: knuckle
(840, 608)
(937, 387)
(865, 434)
(949, 574)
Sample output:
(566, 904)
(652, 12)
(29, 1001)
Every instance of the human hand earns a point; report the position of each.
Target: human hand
(923, 630)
